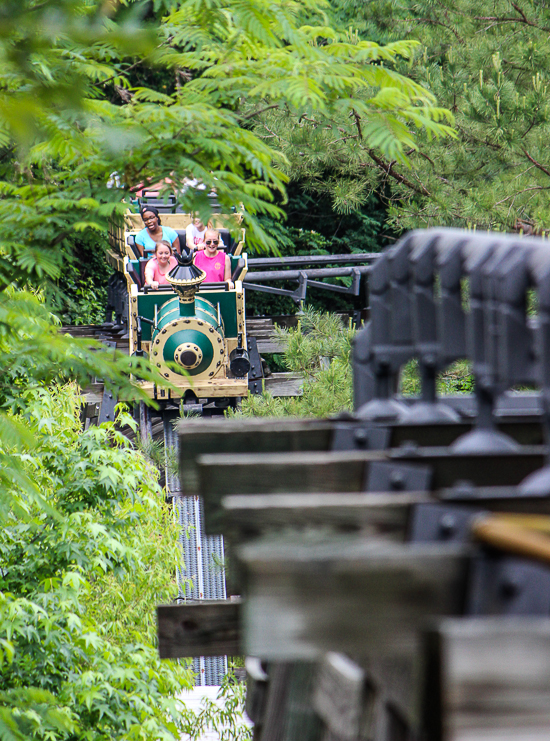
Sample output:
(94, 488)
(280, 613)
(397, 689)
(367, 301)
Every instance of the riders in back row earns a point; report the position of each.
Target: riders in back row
(154, 232)
(165, 241)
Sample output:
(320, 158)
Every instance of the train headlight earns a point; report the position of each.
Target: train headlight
(239, 362)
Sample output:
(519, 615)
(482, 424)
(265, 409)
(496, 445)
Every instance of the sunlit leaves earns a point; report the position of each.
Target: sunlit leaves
(234, 54)
(65, 670)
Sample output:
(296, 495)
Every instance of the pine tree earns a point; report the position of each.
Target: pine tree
(487, 62)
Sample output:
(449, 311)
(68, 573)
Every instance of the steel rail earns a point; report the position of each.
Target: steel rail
(257, 277)
(302, 260)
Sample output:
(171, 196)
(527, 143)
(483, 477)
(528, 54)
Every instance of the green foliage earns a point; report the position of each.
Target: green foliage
(320, 348)
(360, 231)
(71, 503)
(488, 63)
(456, 379)
(79, 295)
(164, 460)
(410, 379)
(79, 576)
(312, 227)
(124, 605)
(153, 450)
(63, 137)
(225, 716)
(33, 353)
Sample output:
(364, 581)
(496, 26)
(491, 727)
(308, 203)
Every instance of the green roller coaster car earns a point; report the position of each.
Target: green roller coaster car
(198, 345)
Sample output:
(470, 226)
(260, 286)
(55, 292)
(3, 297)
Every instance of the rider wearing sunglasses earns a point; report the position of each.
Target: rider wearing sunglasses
(215, 263)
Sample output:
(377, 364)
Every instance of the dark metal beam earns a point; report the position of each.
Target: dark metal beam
(309, 272)
(303, 260)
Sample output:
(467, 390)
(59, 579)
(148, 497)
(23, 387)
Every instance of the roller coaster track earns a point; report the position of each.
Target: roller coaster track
(263, 329)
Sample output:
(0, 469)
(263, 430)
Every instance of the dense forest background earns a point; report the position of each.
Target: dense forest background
(486, 62)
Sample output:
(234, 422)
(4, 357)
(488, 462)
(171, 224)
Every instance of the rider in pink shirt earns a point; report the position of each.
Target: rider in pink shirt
(216, 264)
(162, 263)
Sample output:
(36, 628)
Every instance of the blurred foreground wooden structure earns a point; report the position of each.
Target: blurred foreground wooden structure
(390, 568)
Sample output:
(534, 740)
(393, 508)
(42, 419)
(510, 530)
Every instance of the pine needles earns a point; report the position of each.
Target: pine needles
(320, 349)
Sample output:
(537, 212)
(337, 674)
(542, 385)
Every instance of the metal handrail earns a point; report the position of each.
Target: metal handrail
(268, 275)
(303, 260)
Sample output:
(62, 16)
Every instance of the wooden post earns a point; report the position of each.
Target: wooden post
(198, 437)
(287, 473)
(488, 679)
(367, 599)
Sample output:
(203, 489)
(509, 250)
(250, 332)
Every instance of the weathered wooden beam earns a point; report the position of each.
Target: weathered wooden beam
(340, 695)
(276, 473)
(235, 435)
(280, 435)
(388, 513)
(488, 679)
(199, 628)
(481, 469)
(358, 704)
(367, 599)
(264, 332)
(279, 702)
(526, 431)
(316, 472)
(347, 594)
(284, 384)
(496, 499)
(270, 344)
(93, 394)
(394, 516)
(247, 516)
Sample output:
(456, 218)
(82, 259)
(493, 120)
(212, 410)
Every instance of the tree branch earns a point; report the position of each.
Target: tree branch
(432, 22)
(388, 169)
(432, 163)
(475, 140)
(525, 190)
(528, 128)
(358, 124)
(258, 113)
(537, 164)
(520, 11)
(522, 19)
(343, 139)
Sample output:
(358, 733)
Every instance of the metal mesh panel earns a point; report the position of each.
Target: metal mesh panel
(188, 567)
(213, 562)
(200, 571)
(215, 669)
